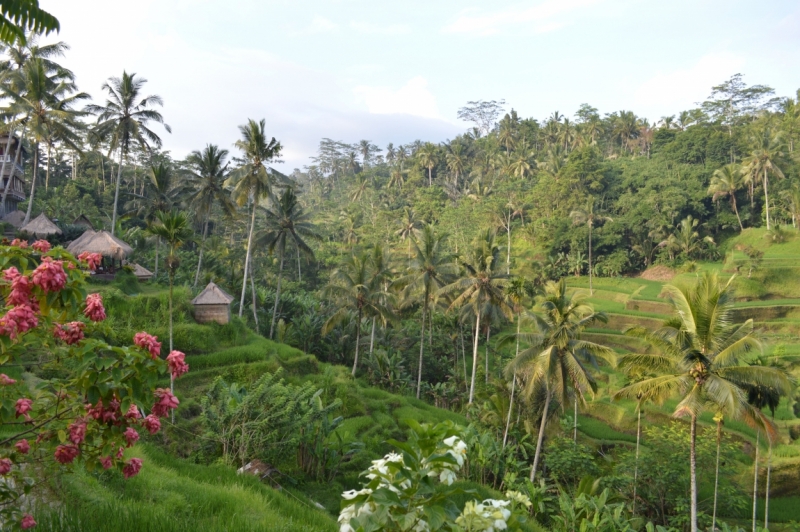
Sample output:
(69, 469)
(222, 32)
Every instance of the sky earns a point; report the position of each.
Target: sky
(399, 71)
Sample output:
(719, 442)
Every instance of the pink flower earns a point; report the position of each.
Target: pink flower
(18, 320)
(94, 307)
(131, 436)
(148, 342)
(166, 402)
(23, 446)
(20, 291)
(106, 462)
(50, 275)
(120, 453)
(177, 364)
(92, 260)
(71, 333)
(11, 273)
(42, 246)
(23, 406)
(5, 466)
(152, 424)
(27, 522)
(5, 380)
(22, 244)
(133, 412)
(65, 454)
(132, 468)
(77, 432)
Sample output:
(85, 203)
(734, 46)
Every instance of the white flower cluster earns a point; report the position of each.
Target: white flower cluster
(488, 516)
(455, 447)
(519, 498)
(380, 469)
(354, 510)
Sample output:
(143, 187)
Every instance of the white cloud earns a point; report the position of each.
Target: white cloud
(370, 28)
(320, 25)
(475, 22)
(413, 98)
(683, 88)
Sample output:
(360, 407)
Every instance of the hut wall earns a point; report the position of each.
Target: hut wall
(208, 313)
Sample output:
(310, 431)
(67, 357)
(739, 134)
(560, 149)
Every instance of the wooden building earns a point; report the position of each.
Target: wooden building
(13, 176)
(212, 304)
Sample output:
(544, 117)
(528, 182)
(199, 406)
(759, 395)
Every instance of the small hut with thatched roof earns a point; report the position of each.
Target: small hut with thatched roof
(83, 221)
(141, 273)
(101, 242)
(14, 218)
(212, 304)
(40, 227)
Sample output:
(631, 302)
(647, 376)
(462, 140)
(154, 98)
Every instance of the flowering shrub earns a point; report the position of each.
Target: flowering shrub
(91, 411)
(413, 490)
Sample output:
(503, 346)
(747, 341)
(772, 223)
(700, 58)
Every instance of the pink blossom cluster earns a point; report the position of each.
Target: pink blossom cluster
(132, 467)
(27, 522)
(50, 275)
(77, 432)
(66, 454)
(22, 407)
(23, 446)
(152, 424)
(5, 380)
(133, 413)
(148, 342)
(71, 333)
(94, 307)
(5, 466)
(103, 414)
(131, 436)
(18, 320)
(166, 402)
(22, 316)
(42, 246)
(22, 244)
(177, 364)
(92, 260)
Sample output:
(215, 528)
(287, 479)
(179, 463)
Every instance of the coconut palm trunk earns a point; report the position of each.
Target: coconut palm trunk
(358, 341)
(171, 378)
(202, 248)
(281, 250)
(636, 461)
(716, 475)
(299, 272)
(422, 342)
(755, 481)
(254, 298)
(736, 210)
(513, 385)
(591, 289)
(575, 419)
(158, 242)
(693, 474)
(247, 257)
(372, 338)
(475, 357)
(116, 192)
(540, 437)
(766, 197)
(486, 354)
(766, 493)
(33, 182)
(49, 164)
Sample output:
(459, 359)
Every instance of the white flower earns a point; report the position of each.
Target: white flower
(456, 448)
(519, 498)
(352, 494)
(447, 477)
(354, 510)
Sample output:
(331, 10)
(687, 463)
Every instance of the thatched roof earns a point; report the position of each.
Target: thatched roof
(41, 226)
(142, 273)
(14, 218)
(84, 221)
(101, 242)
(212, 295)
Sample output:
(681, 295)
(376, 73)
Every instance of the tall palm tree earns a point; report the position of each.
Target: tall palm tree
(480, 292)
(253, 181)
(430, 268)
(408, 226)
(702, 355)
(427, 158)
(517, 291)
(554, 359)
(286, 221)
(22, 16)
(397, 177)
(764, 158)
(206, 169)
(124, 120)
(792, 198)
(589, 216)
(726, 181)
(456, 160)
(351, 289)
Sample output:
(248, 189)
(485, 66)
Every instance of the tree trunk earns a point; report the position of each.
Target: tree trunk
(247, 258)
(693, 475)
(766, 493)
(513, 385)
(766, 197)
(575, 420)
(430, 177)
(171, 378)
(540, 438)
(358, 340)
(755, 482)
(475, 357)
(716, 476)
(508, 251)
(486, 354)
(33, 182)
(372, 338)
(636, 462)
(253, 295)
(158, 245)
(202, 248)
(299, 273)
(463, 354)
(116, 192)
(733, 201)
(47, 174)
(422, 342)
(277, 293)
(591, 289)
(3, 169)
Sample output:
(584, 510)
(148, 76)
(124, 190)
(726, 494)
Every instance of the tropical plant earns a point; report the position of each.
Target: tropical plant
(589, 216)
(22, 16)
(765, 157)
(428, 158)
(726, 181)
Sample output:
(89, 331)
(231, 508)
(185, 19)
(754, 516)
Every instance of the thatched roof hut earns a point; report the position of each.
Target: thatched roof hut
(40, 226)
(101, 242)
(141, 273)
(83, 221)
(212, 304)
(14, 218)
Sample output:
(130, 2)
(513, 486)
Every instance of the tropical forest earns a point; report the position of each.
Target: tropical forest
(585, 321)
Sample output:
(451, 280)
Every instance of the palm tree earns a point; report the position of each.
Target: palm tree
(351, 289)
(206, 169)
(792, 197)
(124, 119)
(427, 158)
(429, 269)
(397, 177)
(22, 16)
(480, 292)
(701, 354)
(286, 221)
(764, 158)
(253, 181)
(725, 182)
(517, 291)
(456, 160)
(408, 226)
(589, 216)
(553, 360)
